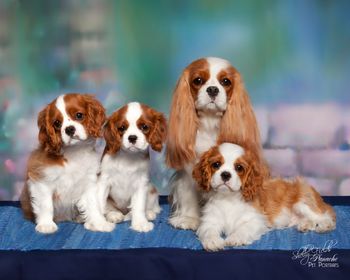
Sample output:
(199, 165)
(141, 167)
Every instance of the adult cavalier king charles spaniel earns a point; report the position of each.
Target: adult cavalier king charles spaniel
(243, 203)
(209, 104)
(61, 179)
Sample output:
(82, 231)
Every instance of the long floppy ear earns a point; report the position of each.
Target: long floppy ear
(201, 172)
(112, 137)
(48, 138)
(157, 136)
(183, 123)
(239, 124)
(254, 177)
(96, 115)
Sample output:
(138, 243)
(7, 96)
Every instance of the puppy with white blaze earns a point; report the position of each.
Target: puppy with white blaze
(129, 133)
(244, 203)
(209, 104)
(61, 182)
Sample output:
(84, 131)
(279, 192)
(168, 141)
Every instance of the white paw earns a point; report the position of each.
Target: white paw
(322, 225)
(115, 217)
(325, 225)
(157, 209)
(78, 219)
(103, 226)
(144, 226)
(151, 215)
(46, 228)
(306, 225)
(127, 217)
(235, 240)
(184, 222)
(213, 243)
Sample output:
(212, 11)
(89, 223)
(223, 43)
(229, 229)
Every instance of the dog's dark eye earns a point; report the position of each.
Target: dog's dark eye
(79, 116)
(198, 81)
(216, 165)
(122, 128)
(57, 124)
(225, 82)
(144, 127)
(239, 168)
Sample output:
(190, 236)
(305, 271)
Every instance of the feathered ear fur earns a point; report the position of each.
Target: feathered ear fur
(158, 133)
(96, 115)
(253, 178)
(48, 138)
(111, 136)
(239, 124)
(183, 123)
(202, 171)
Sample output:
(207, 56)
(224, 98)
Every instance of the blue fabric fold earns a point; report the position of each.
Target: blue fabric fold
(16, 233)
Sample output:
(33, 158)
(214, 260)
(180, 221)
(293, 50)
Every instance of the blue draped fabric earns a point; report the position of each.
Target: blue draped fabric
(164, 253)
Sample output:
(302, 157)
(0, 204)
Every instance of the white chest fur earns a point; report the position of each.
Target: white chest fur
(61, 187)
(82, 164)
(123, 174)
(231, 209)
(207, 133)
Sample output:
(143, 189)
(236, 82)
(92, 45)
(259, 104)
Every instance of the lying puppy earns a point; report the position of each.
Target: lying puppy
(243, 204)
(61, 179)
(129, 133)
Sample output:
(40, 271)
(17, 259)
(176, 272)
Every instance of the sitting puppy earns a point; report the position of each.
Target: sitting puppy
(125, 164)
(61, 182)
(243, 204)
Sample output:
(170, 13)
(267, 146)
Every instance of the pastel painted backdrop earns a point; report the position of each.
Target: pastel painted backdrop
(294, 56)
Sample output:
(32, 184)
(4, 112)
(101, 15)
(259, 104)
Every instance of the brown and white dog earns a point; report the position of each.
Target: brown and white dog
(244, 203)
(61, 179)
(129, 133)
(209, 104)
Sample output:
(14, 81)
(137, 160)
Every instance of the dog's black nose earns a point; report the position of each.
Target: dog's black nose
(132, 139)
(212, 91)
(225, 176)
(70, 130)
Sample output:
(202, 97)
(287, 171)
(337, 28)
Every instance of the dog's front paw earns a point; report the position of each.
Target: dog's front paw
(143, 226)
(115, 217)
(151, 215)
(184, 222)
(236, 240)
(103, 226)
(46, 228)
(213, 243)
